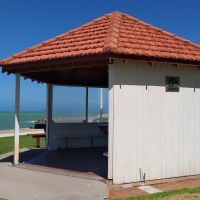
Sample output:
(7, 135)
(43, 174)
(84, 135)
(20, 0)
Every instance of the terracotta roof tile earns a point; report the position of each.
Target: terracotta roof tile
(114, 33)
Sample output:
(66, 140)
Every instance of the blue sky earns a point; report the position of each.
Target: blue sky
(25, 23)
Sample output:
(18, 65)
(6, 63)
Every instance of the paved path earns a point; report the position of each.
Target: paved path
(23, 131)
(18, 184)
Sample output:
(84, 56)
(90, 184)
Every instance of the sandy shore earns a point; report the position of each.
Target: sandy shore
(23, 131)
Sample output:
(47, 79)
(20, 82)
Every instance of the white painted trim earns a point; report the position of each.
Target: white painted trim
(49, 102)
(17, 116)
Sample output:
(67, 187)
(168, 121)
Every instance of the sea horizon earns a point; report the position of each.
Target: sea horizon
(27, 118)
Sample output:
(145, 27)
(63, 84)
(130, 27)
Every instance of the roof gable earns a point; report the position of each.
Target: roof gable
(115, 33)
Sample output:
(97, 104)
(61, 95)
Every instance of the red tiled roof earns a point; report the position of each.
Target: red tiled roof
(116, 33)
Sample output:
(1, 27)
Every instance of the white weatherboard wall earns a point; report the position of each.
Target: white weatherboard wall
(153, 131)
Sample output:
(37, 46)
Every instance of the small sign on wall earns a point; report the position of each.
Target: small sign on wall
(172, 84)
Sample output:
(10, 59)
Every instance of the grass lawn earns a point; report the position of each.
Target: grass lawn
(183, 194)
(7, 143)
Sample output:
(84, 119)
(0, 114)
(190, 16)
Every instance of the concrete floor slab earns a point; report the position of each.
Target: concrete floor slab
(18, 184)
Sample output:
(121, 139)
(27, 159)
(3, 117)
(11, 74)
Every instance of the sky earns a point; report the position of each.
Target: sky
(24, 23)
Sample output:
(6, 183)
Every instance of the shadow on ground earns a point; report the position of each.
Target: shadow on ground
(81, 160)
(24, 156)
(90, 160)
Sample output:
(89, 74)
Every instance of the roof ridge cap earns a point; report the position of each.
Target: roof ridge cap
(112, 36)
(165, 32)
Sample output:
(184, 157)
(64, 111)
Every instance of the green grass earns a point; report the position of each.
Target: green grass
(174, 193)
(7, 143)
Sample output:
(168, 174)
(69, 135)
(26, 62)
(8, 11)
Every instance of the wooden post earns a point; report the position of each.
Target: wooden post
(49, 99)
(17, 113)
(86, 106)
(37, 142)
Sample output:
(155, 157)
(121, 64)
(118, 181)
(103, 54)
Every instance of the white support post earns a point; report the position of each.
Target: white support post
(101, 104)
(48, 112)
(86, 106)
(110, 123)
(17, 116)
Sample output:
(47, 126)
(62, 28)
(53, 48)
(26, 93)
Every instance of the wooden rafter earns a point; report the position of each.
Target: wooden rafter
(93, 77)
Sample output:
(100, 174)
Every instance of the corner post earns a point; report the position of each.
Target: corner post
(17, 116)
(49, 102)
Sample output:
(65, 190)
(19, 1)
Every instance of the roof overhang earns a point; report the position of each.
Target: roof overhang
(91, 71)
(81, 56)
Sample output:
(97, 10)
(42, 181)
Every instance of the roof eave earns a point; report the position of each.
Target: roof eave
(89, 60)
(125, 57)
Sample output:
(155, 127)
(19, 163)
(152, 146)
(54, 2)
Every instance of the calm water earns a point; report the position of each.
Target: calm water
(26, 119)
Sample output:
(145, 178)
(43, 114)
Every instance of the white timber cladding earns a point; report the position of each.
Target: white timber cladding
(153, 131)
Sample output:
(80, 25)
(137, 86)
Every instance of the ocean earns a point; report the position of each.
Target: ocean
(26, 119)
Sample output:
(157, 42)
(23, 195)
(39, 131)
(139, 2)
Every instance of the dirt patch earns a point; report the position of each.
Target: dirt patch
(182, 197)
(178, 185)
(116, 191)
(122, 193)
